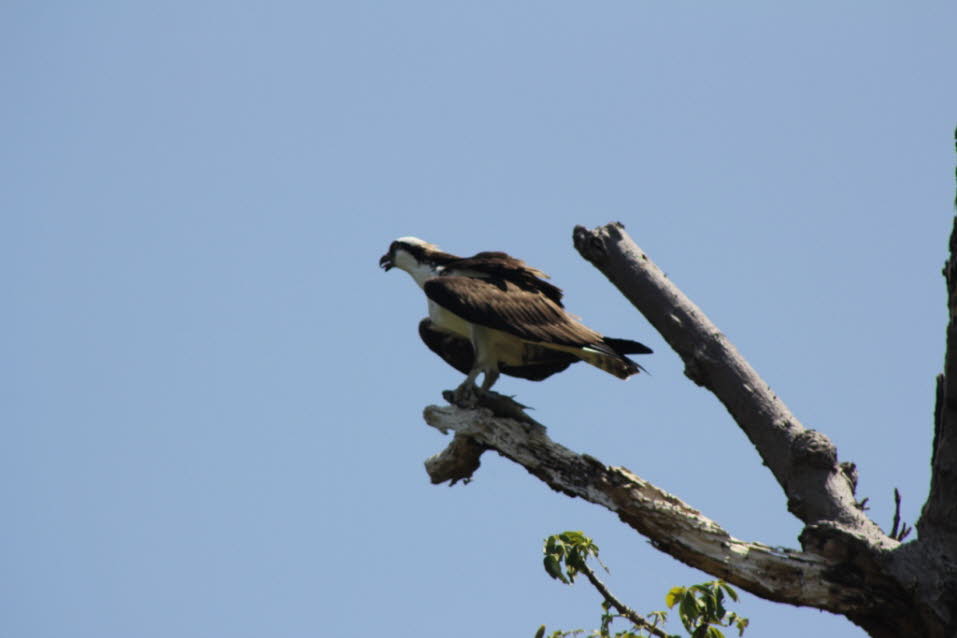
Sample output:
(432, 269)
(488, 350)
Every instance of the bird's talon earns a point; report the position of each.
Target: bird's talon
(466, 395)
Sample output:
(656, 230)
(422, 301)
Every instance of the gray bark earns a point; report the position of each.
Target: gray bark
(846, 565)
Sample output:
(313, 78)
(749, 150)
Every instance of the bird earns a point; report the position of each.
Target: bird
(493, 314)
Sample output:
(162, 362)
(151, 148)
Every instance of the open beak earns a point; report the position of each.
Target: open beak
(385, 262)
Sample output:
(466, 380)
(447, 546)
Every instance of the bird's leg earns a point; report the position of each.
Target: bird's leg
(491, 376)
(467, 393)
(485, 356)
(472, 376)
(485, 362)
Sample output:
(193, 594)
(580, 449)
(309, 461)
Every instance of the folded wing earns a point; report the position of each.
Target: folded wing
(457, 352)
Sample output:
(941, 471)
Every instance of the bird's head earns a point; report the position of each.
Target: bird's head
(419, 258)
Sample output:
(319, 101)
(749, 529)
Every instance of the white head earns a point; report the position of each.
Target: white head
(415, 256)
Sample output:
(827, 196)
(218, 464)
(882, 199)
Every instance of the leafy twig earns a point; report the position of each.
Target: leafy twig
(620, 607)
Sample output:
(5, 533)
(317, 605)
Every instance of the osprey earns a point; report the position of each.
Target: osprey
(492, 313)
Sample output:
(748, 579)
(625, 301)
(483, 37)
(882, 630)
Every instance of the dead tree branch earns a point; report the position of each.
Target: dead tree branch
(803, 461)
(673, 526)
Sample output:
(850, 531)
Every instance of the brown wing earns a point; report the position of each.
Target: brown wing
(457, 352)
(505, 306)
(503, 267)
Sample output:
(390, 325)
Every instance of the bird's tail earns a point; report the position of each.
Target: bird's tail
(627, 346)
(604, 357)
(608, 355)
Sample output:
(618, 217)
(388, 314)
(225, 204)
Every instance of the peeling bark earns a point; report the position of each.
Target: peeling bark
(673, 526)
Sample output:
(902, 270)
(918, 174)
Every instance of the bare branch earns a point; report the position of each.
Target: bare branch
(637, 619)
(899, 529)
(803, 461)
(783, 575)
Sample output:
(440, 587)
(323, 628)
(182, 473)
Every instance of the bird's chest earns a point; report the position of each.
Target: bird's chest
(449, 320)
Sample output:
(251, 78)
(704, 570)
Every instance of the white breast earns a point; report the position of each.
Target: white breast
(449, 320)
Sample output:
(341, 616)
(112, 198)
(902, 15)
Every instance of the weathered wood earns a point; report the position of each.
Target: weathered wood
(783, 575)
(803, 461)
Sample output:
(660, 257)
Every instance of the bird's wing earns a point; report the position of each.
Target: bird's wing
(501, 266)
(457, 352)
(505, 306)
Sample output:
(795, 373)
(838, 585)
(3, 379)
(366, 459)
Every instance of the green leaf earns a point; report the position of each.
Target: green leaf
(730, 590)
(541, 632)
(689, 608)
(673, 596)
(553, 568)
(574, 538)
(555, 547)
(550, 544)
(576, 560)
(720, 612)
(706, 602)
(742, 624)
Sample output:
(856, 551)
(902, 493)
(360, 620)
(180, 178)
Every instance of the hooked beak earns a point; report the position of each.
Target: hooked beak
(385, 262)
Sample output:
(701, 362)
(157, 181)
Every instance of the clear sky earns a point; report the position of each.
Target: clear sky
(211, 395)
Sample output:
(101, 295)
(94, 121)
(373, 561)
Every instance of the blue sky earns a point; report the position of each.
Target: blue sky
(212, 395)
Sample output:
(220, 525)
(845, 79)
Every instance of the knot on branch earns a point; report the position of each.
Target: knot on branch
(813, 449)
(695, 369)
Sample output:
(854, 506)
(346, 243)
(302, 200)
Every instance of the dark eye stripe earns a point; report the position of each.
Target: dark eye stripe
(413, 249)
